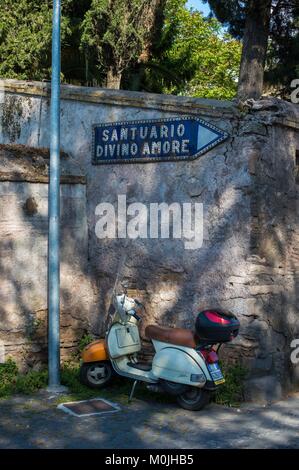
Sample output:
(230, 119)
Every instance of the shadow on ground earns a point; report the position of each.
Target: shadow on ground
(35, 422)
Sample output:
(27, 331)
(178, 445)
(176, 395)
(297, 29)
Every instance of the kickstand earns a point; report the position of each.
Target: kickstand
(132, 391)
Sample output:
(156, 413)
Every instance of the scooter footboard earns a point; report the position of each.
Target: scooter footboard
(176, 365)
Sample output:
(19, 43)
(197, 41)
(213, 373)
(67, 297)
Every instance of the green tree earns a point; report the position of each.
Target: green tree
(194, 57)
(25, 38)
(120, 33)
(158, 46)
(282, 62)
(77, 64)
(269, 29)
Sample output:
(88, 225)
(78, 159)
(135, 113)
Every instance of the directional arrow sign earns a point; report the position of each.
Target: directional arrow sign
(179, 138)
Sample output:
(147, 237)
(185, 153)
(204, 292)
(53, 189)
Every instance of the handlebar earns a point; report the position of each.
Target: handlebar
(133, 313)
(127, 306)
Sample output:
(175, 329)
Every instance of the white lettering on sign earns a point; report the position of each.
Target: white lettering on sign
(172, 138)
(175, 147)
(143, 132)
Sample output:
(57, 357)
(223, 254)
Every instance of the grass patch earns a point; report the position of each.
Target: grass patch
(31, 382)
(12, 382)
(231, 393)
(118, 390)
(8, 375)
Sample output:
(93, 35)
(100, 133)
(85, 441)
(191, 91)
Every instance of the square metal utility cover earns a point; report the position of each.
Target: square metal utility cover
(96, 406)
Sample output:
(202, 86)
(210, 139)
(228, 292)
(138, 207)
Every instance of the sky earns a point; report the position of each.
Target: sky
(198, 5)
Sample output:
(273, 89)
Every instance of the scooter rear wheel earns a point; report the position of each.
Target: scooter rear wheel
(96, 374)
(194, 399)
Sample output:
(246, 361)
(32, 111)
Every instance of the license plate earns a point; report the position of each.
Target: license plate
(216, 373)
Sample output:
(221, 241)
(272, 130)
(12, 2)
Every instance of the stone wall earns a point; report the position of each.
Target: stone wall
(23, 261)
(249, 259)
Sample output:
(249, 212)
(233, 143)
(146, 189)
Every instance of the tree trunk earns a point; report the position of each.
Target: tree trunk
(113, 79)
(153, 20)
(255, 43)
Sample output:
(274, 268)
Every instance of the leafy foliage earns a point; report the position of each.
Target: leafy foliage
(118, 31)
(85, 341)
(25, 38)
(231, 393)
(31, 382)
(155, 46)
(8, 375)
(171, 49)
(12, 382)
(283, 52)
(78, 65)
(195, 57)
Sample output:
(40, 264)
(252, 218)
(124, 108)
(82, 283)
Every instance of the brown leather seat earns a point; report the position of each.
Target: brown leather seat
(177, 336)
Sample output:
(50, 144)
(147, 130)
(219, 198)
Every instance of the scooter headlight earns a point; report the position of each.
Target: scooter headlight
(199, 378)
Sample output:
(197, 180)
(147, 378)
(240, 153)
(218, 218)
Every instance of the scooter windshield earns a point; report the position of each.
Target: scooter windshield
(119, 306)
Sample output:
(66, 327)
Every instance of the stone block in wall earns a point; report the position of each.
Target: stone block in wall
(253, 127)
(295, 376)
(263, 390)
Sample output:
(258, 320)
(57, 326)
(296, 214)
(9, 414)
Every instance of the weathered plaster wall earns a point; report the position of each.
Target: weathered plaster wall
(249, 259)
(23, 260)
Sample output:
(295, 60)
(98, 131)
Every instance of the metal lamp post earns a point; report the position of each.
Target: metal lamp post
(54, 210)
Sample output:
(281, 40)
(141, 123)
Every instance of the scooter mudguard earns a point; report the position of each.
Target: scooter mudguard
(176, 365)
(95, 352)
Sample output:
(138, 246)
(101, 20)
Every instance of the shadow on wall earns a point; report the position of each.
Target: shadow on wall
(23, 262)
(245, 264)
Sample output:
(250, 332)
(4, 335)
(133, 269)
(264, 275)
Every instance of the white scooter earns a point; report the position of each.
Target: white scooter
(184, 364)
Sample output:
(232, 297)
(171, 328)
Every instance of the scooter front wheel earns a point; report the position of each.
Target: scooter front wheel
(96, 374)
(194, 399)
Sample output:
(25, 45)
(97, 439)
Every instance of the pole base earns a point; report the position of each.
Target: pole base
(57, 389)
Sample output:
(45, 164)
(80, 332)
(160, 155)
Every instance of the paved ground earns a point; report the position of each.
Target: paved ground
(35, 422)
